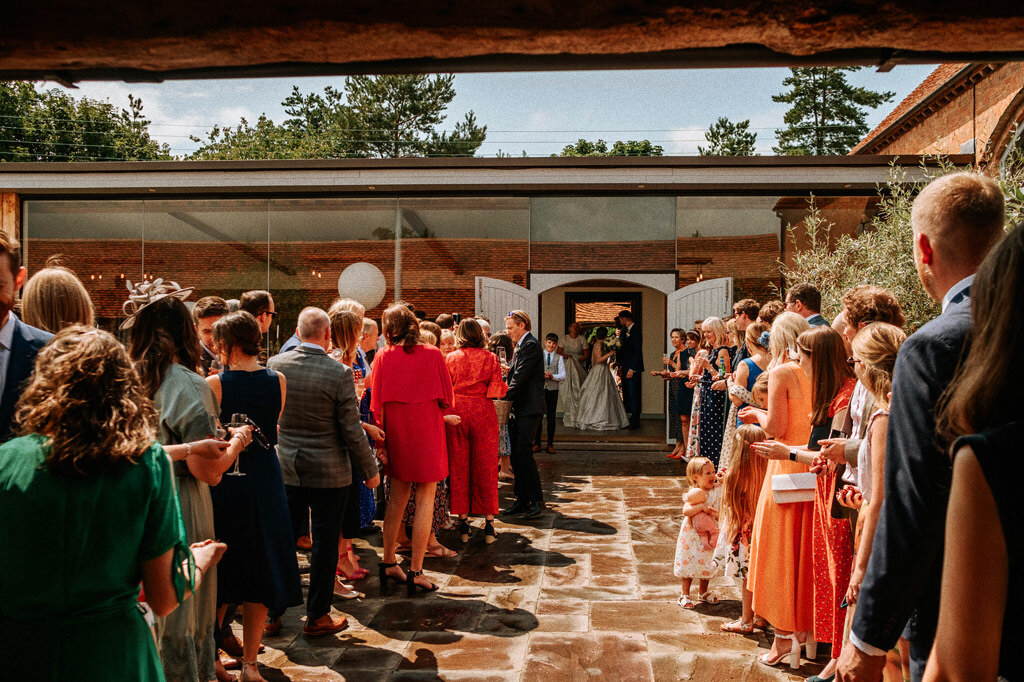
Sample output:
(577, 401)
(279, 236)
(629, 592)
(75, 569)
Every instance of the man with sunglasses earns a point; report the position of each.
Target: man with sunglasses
(260, 304)
(526, 392)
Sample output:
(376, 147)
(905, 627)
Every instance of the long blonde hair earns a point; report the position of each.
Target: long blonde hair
(346, 331)
(745, 472)
(55, 298)
(785, 330)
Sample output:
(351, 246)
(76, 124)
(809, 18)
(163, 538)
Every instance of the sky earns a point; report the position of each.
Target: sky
(535, 112)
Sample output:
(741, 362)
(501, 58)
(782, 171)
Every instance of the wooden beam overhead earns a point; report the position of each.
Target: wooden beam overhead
(69, 41)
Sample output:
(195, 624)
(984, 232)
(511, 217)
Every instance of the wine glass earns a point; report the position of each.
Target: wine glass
(237, 419)
(216, 366)
(357, 376)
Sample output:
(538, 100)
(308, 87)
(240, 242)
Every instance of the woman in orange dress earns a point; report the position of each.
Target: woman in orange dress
(473, 447)
(780, 571)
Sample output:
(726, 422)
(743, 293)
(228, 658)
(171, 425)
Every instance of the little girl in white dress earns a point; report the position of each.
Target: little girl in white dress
(694, 558)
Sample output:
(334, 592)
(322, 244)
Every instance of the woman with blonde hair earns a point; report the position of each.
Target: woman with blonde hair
(707, 423)
(55, 298)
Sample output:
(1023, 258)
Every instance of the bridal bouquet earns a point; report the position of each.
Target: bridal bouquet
(613, 343)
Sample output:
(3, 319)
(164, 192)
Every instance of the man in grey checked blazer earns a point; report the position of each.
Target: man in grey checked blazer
(319, 441)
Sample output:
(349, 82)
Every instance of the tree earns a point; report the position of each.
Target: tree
(828, 114)
(619, 148)
(381, 116)
(884, 254)
(726, 138)
(53, 126)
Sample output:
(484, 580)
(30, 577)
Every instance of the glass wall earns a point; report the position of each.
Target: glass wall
(426, 250)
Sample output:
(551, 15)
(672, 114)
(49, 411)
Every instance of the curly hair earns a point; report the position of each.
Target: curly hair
(86, 398)
(876, 346)
(868, 303)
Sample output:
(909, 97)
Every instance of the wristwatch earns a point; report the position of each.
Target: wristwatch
(792, 455)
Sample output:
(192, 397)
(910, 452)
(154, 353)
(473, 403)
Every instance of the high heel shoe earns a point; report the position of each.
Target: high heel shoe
(464, 529)
(793, 654)
(386, 578)
(411, 585)
(489, 534)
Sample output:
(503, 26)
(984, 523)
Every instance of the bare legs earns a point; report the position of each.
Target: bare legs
(420, 524)
(253, 618)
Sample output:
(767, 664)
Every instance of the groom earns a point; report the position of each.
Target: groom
(631, 366)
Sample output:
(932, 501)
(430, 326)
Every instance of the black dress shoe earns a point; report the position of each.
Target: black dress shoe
(533, 511)
(517, 508)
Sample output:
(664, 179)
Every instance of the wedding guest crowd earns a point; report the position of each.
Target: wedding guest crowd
(857, 482)
(861, 528)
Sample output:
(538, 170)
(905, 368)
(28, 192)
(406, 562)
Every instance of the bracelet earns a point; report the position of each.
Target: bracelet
(188, 450)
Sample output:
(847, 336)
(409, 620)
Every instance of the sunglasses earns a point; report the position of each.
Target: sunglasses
(517, 315)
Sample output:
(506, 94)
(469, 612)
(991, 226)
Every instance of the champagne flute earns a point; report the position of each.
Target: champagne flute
(237, 419)
(357, 377)
(216, 366)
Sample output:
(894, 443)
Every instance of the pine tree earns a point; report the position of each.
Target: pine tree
(828, 114)
(726, 138)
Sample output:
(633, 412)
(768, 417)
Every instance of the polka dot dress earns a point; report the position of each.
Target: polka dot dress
(712, 417)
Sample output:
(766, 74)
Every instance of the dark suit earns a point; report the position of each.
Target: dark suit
(631, 357)
(903, 577)
(526, 393)
(291, 344)
(206, 358)
(25, 344)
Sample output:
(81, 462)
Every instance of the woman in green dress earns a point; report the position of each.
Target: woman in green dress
(165, 348)
(89, 512)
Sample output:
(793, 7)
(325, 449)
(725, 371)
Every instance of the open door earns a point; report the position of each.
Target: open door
(496, 297)
(710, 298)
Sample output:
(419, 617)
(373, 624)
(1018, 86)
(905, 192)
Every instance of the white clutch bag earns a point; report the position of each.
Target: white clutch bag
(788, 488)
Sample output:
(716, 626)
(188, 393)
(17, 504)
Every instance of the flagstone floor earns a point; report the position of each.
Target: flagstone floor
(584, 592)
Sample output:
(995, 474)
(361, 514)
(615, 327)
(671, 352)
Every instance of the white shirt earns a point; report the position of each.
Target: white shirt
(956, 290)
(6, 341)
(553, 361)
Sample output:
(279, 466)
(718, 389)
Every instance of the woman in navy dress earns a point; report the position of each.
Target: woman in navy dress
(250, 512)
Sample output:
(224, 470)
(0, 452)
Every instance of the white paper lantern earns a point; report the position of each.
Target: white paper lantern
(363, 282)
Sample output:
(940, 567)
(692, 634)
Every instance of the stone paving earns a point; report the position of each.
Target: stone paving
(584, 592)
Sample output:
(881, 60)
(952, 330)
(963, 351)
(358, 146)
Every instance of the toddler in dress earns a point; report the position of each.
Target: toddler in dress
(694, 558)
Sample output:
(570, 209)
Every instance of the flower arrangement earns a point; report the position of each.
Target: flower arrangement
(613, 343)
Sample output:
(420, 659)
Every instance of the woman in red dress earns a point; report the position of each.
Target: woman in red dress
(410, 389)
(473, 450)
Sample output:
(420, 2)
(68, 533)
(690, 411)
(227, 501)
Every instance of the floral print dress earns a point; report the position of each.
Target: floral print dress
(693, 558)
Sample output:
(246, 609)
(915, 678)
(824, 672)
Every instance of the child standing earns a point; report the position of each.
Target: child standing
(554, 374)
(740, 488)
(694, 557)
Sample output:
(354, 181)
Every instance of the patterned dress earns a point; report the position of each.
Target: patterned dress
(693, 558)
(708, 421)
(569, 391)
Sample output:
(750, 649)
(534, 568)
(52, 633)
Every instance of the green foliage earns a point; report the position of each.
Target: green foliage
(827, 115)
(619, 148)
(726, 138)
(372, 116)
(51, 125)
(884, 254)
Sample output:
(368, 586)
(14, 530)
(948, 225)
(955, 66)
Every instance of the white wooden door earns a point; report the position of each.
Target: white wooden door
(710, 298)
(496, 297)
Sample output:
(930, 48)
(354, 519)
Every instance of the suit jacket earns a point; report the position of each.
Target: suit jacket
(291, 344)
(206, 358)
(631, 354)
(903, 576)
(526, 379)
(320, 438)
(25, 344)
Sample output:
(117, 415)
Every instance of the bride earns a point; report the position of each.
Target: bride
(600, 407)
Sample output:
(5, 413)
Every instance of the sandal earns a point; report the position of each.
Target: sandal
(793, 654)
(441, 552)
(343, 591)
(411, 586)
(686, 602)
(708, 598)
(738, 627)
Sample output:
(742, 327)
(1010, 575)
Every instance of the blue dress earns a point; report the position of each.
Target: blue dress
(753, 372)
(367, 502)
(250, 513)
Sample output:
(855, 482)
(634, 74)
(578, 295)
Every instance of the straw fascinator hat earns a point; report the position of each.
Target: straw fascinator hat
(145, 293)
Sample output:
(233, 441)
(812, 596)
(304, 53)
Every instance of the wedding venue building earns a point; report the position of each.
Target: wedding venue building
(673, 238)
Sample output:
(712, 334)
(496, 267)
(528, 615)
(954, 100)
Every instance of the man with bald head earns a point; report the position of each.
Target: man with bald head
(320, 439)
(956, 220)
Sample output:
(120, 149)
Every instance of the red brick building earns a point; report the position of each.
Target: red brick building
(959, 108)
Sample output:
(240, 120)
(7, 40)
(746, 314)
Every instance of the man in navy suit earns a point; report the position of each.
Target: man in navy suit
(956, 220)
(526, 393)
(805, 300)
(631, 366)
(19, 342)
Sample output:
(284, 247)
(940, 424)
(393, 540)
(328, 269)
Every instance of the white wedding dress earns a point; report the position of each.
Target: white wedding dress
(569, 391)
(600, 407)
